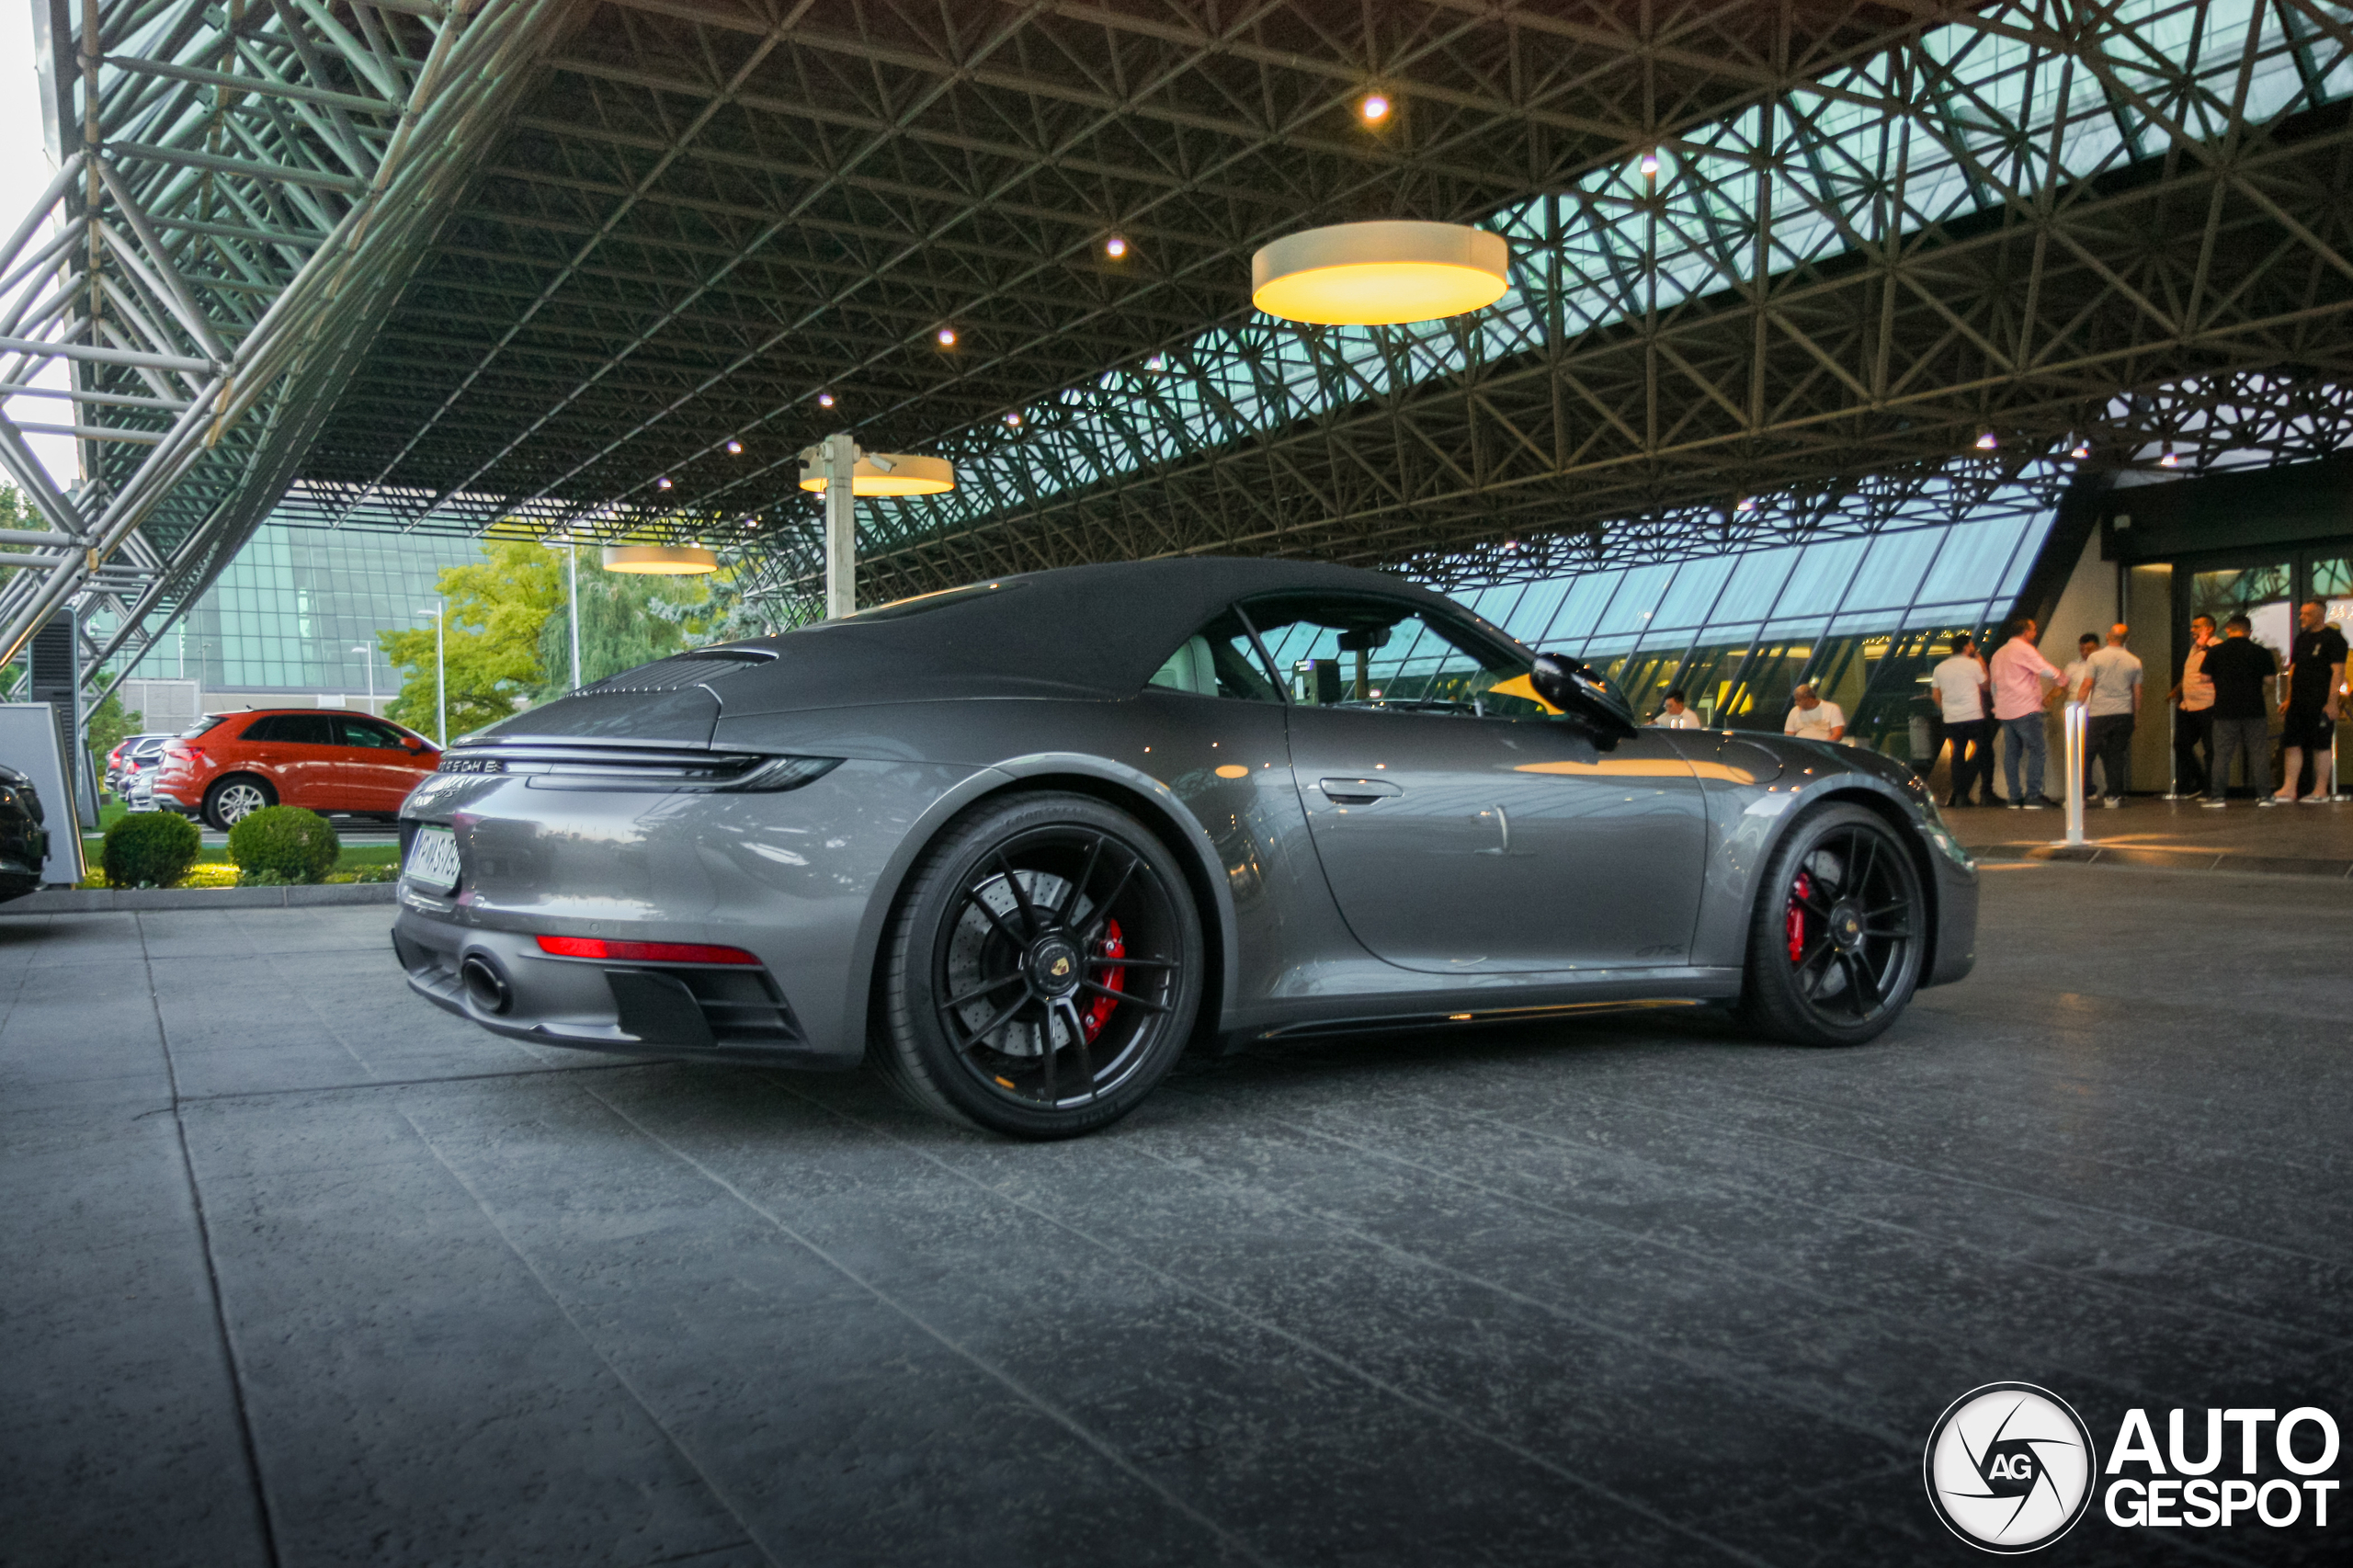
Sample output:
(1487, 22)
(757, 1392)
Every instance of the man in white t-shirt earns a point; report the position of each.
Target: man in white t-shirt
(2110, 692)
(2080, 666)
(1960, 684)
(1676, 714)
(1813, 720)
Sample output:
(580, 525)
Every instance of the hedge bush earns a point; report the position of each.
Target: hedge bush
(149, 849)
(279, 846)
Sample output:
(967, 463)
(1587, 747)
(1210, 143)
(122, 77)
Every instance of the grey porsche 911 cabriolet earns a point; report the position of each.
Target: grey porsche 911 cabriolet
(1022, 842)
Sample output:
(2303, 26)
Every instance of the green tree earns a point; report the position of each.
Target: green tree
(628, 620)
(109, 724)
(14, 514)
(495, 611)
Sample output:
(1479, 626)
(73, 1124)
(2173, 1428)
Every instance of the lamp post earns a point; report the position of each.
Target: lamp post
(572, 599)
(837, 469)
(371, 678)
(440, 675)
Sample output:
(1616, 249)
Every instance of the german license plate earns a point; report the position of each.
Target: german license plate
(433, 859)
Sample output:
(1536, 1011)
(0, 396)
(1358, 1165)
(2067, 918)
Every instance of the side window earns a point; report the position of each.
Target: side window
(308, 729)
(1342, 650)
(271, 727)
(365, 732)
(1218, 661)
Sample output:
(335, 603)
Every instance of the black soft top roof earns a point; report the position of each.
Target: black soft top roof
(1076, 632)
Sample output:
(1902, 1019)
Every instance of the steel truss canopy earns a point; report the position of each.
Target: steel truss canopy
(597, 268)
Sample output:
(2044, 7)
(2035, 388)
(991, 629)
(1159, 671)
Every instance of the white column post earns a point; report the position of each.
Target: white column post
(442, 672)
(839, 456)
(2071, 720)
(571, 595)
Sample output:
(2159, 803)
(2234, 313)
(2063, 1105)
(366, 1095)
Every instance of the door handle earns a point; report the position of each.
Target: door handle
(1357, 791)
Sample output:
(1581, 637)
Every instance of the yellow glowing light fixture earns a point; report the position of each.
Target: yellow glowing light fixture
(660, 559)
(889, 474)
(1379, 274)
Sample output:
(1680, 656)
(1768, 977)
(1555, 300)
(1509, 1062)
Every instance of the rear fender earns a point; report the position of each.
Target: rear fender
(1132, 790)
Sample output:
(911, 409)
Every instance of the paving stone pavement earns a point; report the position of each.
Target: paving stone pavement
(302, 1270)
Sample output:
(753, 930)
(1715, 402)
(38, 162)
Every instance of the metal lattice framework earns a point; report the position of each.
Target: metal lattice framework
(240, 198)
(1801, 255)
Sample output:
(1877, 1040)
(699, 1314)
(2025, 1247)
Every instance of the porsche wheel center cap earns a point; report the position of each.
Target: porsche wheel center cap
(1847, 926)
(1053, 968)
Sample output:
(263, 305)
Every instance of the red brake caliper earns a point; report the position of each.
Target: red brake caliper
(1794, 923)
(1098, 1013)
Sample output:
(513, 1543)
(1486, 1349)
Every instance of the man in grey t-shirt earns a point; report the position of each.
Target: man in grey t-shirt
(2111, 693)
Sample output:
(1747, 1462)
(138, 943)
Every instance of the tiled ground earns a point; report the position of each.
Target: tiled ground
(300, 1270)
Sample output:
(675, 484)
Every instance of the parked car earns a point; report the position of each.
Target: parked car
(137, 754)
(24, 843)
(1029, 837)
(232, 764)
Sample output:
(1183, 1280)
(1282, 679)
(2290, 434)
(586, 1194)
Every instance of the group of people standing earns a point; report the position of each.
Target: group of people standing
(2224, 711)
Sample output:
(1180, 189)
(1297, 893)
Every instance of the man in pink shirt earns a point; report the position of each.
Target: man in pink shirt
(2022, 680)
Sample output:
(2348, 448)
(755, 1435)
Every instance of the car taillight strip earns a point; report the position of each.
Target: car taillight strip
(642, 952)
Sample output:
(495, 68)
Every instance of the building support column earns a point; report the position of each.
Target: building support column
(839, 457)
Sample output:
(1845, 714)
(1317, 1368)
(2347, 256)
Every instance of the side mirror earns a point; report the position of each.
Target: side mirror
(1578, 691)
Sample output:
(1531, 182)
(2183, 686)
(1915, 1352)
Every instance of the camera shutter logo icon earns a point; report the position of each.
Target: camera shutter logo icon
(2010, 1467)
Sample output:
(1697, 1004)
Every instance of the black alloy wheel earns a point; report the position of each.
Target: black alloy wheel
(1043, 970)
(1839, 933)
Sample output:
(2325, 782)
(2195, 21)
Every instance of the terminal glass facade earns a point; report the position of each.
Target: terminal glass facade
(1864, 618)
(287, 612)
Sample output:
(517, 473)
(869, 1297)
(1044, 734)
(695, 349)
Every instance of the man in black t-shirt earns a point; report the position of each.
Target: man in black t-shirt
(2238, 666)
(2315, 676)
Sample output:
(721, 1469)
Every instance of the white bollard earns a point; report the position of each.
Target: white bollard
(2071, 720)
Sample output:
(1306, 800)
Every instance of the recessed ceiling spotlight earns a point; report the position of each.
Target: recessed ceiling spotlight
(735, 448)
(2169, 460)
(1373, 108)
(1986, 441)
(824, 400)
(2083, 449)
(662, 482)
(1747, 504)
(1157, 363)
(945, 337)
(1013, 421)
(1650, 165)
(1115, 248)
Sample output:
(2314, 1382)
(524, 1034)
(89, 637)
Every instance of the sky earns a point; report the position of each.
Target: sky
(25, 172)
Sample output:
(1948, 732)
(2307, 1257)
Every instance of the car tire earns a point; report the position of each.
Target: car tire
(1042, 970)
(231, 799)
(1839, 935)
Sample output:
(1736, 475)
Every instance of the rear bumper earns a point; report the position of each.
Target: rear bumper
(714, 1012)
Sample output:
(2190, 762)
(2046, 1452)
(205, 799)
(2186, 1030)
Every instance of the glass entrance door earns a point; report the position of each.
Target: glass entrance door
(2263, 594)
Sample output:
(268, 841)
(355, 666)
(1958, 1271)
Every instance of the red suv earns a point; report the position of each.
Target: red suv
(232, 765)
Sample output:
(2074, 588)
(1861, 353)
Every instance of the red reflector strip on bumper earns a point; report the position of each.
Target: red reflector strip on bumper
(642, 952)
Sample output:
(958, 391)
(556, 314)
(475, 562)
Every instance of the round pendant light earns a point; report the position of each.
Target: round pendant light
(1379, 274)
(889, 474)
(660, 559)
